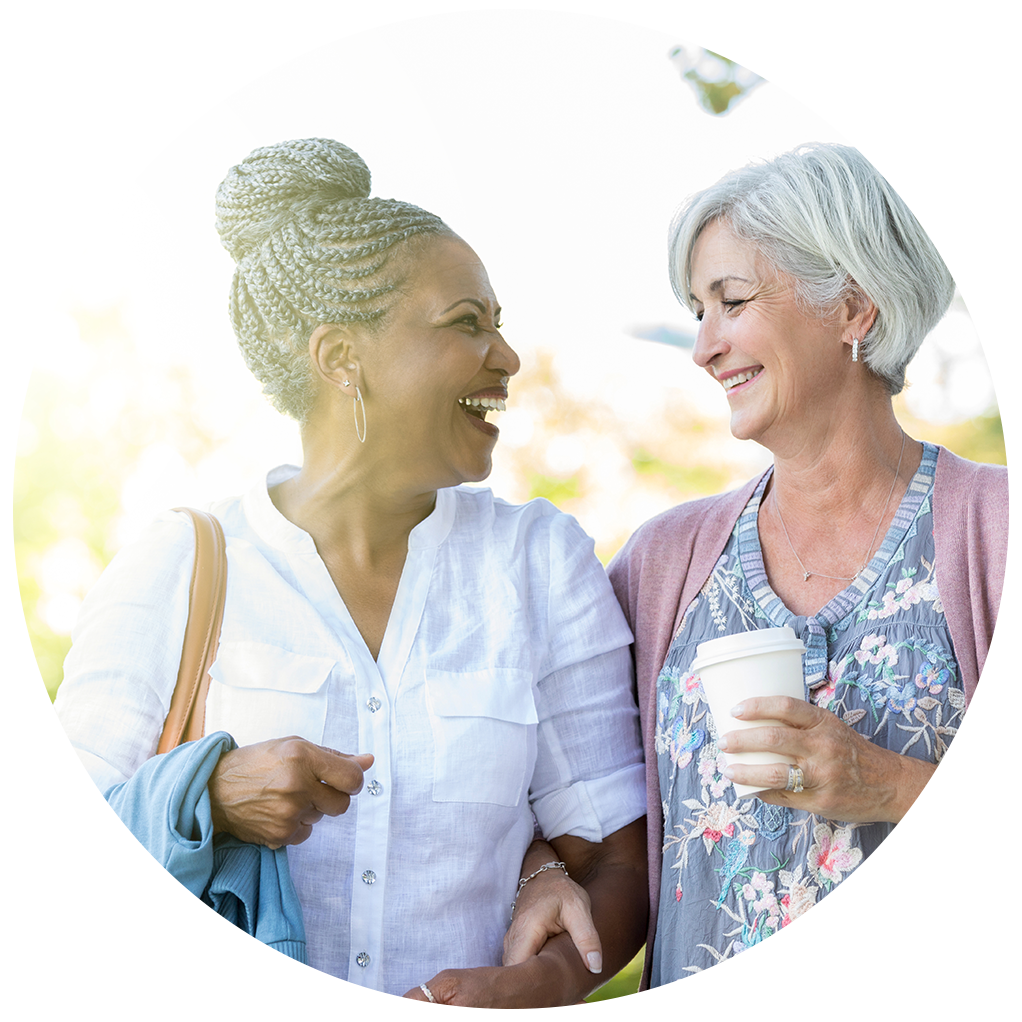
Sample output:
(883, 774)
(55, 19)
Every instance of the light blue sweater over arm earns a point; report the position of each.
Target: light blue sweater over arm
(125, 875)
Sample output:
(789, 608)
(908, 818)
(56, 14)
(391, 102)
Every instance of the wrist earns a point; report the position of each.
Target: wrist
(552, 865)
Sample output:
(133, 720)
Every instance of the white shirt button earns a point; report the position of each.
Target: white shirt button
(374, 787)
(369, 877)
(362, 959)
(373, 703)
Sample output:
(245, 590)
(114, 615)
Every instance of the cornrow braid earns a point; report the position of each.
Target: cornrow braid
(311, 247)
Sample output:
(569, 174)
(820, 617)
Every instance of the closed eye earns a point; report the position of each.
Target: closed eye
(472, 320)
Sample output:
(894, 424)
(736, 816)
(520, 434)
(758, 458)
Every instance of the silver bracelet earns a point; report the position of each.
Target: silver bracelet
(525, 880)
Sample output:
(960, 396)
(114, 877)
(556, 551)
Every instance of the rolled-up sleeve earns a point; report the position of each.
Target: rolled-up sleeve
(589, 779)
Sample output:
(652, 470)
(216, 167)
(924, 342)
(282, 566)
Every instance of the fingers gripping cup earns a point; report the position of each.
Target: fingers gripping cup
(764, 662)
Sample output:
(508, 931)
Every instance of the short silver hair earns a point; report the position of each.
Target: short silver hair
(823, 216)
(311, 247)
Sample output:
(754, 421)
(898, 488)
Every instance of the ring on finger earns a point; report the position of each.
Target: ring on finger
(796, 780)
(429, 996)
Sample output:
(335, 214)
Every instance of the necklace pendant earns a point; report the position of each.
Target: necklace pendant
(805, 576)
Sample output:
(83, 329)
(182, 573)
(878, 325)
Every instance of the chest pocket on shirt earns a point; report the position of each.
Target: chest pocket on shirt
(259, 692)
(484, 734)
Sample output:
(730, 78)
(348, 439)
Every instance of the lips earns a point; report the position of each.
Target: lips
(729, 381)
(477, 404)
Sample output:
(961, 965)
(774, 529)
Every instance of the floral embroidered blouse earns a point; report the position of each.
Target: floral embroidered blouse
(736, 869)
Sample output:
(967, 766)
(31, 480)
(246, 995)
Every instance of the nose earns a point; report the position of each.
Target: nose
(502, 357)
(709, 343)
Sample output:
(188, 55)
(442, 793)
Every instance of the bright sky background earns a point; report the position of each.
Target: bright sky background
(557, 143)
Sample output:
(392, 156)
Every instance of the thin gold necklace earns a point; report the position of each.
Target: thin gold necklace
(806, 573)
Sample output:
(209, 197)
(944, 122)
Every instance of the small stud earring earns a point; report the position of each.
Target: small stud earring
(855, 349)
(347, 383)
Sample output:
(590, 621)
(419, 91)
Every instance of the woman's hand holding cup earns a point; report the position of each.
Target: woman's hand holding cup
(845, 776)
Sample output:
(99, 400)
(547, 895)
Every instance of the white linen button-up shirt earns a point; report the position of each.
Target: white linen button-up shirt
(502, 689)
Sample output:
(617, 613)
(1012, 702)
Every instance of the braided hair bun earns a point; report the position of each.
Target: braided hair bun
(265, 189)
(311, 247)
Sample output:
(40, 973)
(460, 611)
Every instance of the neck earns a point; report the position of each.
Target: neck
(845, 465)
(345, 495)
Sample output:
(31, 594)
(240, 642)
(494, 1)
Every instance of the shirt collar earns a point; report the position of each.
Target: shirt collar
(278, 532)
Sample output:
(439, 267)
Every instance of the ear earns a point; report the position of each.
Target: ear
(858, 314)
(333, 350)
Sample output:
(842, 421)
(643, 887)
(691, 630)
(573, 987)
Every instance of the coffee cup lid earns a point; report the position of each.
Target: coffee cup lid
(759, 640)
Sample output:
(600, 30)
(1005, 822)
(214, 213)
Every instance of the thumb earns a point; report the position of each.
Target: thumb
(579, 923)
(522, 941)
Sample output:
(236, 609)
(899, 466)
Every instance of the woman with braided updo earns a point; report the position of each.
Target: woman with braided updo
(458, 663)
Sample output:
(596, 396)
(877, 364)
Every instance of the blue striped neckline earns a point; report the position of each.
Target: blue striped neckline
(750, 555)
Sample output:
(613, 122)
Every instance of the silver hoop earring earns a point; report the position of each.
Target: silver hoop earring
(855, 349)
(358, 403)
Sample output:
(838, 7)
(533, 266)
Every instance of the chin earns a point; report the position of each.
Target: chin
(478, 477)
(742, 429)
(471, 474)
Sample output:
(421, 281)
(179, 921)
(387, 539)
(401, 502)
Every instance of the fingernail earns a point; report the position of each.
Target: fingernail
(595, 961)
(722, 742)
(737, 711)
(729, 773)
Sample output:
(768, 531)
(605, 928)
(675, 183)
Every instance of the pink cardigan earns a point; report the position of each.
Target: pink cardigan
(659, 571)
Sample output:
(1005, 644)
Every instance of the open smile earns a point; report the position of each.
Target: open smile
(476, 405)
(737, 380)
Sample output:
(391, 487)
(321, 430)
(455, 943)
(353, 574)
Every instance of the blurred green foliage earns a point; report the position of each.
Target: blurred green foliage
(743, 49)
(625, 982)
(557, 491)
(67, 489)
(700, 479)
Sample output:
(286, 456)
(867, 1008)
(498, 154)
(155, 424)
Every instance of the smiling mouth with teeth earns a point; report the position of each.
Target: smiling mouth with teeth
(479, 406)
(739, 378)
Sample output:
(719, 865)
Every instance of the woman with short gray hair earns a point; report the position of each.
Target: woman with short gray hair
(414, 678)
(814, 286)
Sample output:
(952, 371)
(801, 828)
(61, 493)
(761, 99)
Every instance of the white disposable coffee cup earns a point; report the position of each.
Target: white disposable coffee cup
(764, 662)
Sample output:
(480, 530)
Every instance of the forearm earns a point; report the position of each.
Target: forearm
(537, 854)
(32, 839)
(615, 878)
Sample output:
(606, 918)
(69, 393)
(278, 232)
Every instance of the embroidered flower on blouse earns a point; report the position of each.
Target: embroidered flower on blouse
(874, 648)
(824, 695)
(902, 595)
(933, 677)
(716, 822)
(691, 689)
(710, 767)
(800, 894)
(929, 592)
(902, 700)
(759, 886)
(832, 854)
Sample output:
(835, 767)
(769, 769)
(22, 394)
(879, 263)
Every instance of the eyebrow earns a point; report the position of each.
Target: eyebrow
(718, 285)
(461, 301)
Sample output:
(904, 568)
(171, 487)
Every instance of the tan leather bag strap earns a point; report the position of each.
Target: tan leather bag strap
(186, 718)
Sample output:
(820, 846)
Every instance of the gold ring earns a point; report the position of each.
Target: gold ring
(796, 780)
